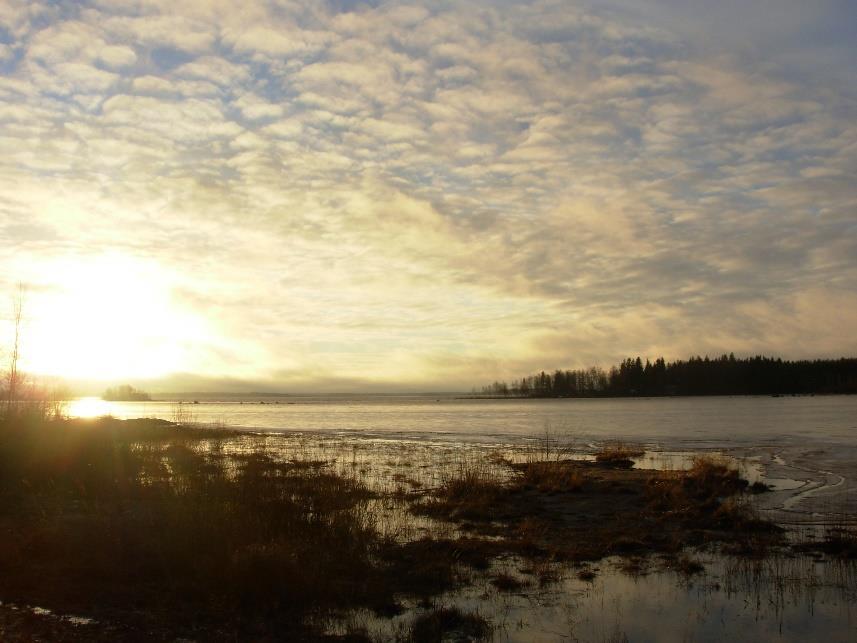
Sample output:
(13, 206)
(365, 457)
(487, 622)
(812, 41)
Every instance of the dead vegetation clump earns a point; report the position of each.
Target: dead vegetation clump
(700, 489)
(685, 565)
(707, 497)
(839, 540)
(618, 454)
(581, 510)
(470, 481)
(449, 624)
(429, 566)
(550, 477)
(713, 476)
(505, 582)
(472, 491)
(587, 575)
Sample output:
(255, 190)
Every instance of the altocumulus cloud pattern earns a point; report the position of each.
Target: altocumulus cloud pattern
(357, 194)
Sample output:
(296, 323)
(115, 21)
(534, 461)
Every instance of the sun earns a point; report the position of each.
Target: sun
(107, 318)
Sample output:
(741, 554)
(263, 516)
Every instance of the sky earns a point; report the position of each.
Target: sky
(380, 196)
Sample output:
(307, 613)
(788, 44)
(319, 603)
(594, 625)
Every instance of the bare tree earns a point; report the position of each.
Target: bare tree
(13, 377)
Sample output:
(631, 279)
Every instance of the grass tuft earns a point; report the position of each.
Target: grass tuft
(450, 623)
(551, 476)
(507, 583)
(618, 454)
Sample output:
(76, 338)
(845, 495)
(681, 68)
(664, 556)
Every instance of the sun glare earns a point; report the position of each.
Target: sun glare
(109, 318)
(88, 407)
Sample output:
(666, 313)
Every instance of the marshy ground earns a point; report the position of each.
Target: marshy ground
(148, 530)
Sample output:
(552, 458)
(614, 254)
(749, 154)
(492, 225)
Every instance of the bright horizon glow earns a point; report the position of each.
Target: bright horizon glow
(106, 318)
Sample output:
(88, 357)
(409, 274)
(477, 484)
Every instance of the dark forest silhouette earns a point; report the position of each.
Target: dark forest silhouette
(725, 375)
(125, 393)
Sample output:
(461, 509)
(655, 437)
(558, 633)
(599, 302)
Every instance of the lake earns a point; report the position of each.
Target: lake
(714, 420)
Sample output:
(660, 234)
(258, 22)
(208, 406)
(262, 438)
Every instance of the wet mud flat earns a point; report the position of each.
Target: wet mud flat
(157, 532)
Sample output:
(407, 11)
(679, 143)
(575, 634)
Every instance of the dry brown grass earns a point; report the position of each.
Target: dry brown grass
(707, 490)
(472, 481)
(581, 510)
(618, 454)
(111, 525)
(125, 520)
(551, 476)
(470, 490)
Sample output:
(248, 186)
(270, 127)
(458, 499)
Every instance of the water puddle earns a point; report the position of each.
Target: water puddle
(784, 484)
(783, 600)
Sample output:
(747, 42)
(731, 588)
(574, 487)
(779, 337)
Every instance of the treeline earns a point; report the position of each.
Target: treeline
(725, 375)
(125, 393)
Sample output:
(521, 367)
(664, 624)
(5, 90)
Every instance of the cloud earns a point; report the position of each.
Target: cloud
(443, 195)
(276, 42)
(168, 29)
(116, 57)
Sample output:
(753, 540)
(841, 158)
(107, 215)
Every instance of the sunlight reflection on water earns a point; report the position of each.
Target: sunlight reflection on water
(89, 407)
